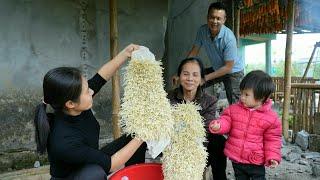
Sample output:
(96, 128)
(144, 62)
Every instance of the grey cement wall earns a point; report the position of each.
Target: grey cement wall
(37, 35)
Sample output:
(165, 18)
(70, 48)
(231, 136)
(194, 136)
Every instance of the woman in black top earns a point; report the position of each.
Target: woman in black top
(70, 135)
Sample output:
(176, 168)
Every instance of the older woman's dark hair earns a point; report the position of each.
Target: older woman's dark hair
(59, 86)
(191, 59)
(261, 84)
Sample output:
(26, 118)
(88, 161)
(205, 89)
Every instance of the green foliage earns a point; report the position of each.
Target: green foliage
(251, 67)
(297, 69)
(316, 71)
(278, 69)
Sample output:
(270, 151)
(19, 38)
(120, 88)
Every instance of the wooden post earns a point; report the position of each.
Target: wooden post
(287, 75)
(116, 76)
(233, 6)
(268, 57)
(237, 24)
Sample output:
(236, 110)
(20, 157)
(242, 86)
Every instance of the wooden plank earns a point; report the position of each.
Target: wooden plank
(306, 85)
(318, 110)
(316, 127)
(308, 113)
(295, 114)
(305, 108)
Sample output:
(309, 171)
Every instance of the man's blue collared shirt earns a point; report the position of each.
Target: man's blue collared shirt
(221, 48)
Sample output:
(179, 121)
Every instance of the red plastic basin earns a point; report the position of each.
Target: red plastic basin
(145, 171)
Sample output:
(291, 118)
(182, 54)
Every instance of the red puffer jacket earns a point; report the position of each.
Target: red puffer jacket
(254, 135)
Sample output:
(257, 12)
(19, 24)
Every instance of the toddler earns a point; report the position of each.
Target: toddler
(254, 128)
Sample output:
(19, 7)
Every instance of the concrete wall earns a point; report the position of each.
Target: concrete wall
(37, 35)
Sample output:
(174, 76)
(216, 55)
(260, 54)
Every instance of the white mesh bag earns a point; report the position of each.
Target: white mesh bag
(145, 110)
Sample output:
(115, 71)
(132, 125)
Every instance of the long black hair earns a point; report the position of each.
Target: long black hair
(59, 86)
(261, 84)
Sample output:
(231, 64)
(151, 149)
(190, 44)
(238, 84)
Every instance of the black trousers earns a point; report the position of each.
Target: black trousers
(231, 84)
(216, 158)
(96, 172)
(248, 171)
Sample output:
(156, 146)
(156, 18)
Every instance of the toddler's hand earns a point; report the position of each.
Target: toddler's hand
(273, 163)
(215, 126)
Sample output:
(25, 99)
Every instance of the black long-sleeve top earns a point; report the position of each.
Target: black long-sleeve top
(74, 140)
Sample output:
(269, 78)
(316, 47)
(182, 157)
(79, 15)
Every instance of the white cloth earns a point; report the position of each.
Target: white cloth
(143, 53)
(156, 147)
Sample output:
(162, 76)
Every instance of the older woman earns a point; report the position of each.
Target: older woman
(191, 76)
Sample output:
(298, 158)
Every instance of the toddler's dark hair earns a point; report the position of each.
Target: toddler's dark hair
(261, 84)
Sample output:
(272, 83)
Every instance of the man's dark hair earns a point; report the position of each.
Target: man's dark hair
(261, 84)
(217, 6)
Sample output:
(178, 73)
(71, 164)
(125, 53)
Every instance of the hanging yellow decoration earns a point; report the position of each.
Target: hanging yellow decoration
(145, 111)
(185, 157)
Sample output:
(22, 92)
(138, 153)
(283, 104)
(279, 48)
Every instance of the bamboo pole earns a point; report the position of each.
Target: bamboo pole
(287, 75)
(116, 76)
(310, 60)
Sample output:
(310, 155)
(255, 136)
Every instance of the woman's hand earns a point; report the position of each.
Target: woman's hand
(108, 69)
(126, 52)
